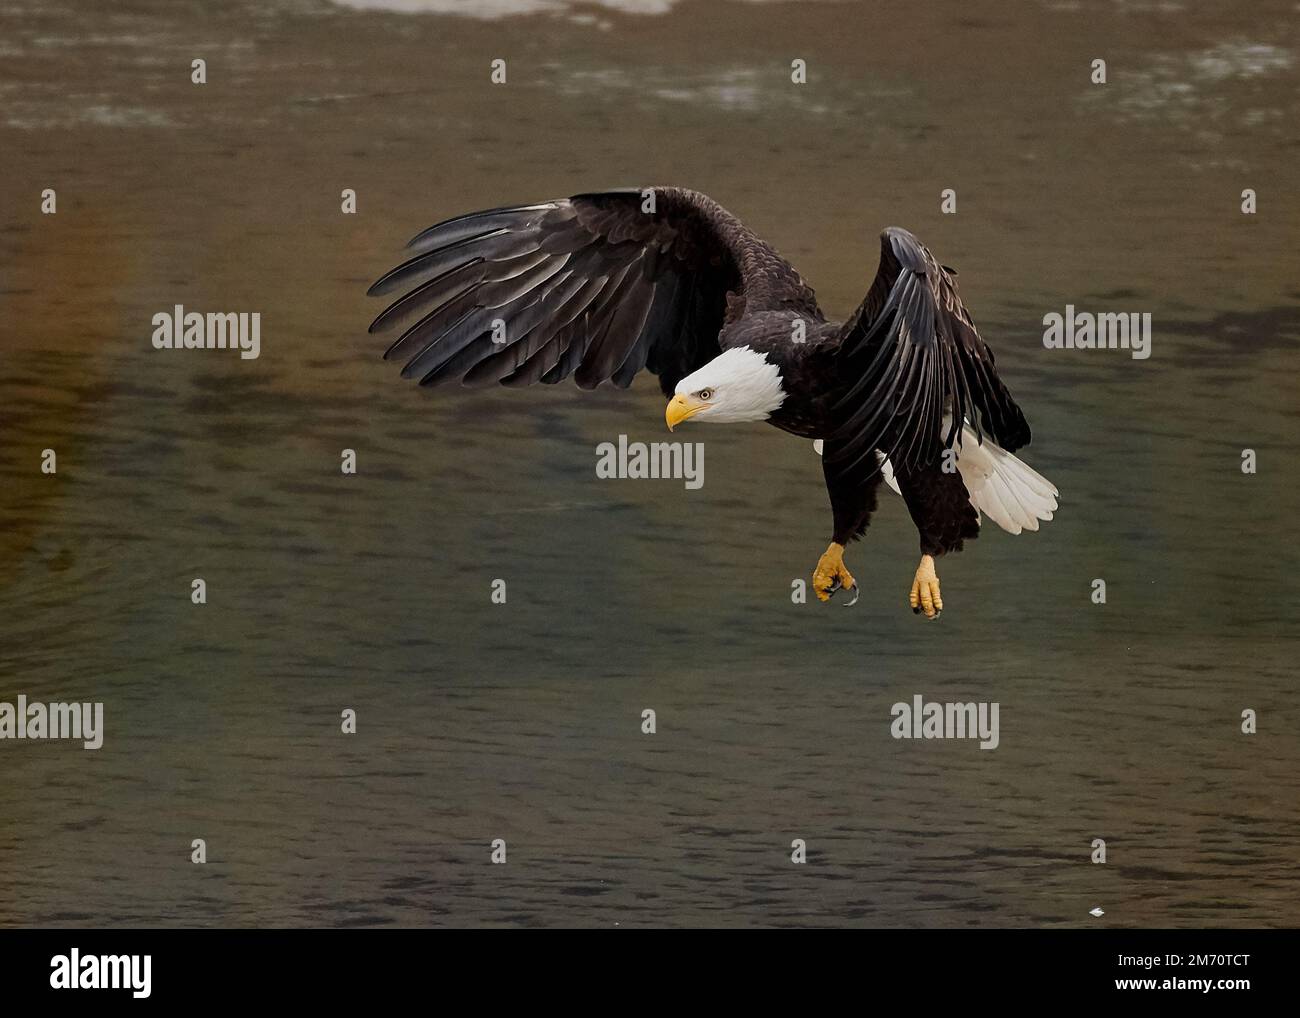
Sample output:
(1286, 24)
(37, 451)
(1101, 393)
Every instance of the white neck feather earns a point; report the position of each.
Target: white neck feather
(744, 386)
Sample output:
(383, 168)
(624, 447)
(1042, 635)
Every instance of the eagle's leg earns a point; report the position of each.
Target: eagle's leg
(831, 575)
(941, 509)
(853, 500)
(925, 596)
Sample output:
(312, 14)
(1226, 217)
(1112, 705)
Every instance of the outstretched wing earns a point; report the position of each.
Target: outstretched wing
(597, 286)
(912, 353)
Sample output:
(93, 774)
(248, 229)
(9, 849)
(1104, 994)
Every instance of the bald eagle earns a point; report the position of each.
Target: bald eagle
(603, 285)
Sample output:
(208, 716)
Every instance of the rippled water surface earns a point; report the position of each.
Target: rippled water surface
(522, 721)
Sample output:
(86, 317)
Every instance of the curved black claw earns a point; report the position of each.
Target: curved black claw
(837, 586)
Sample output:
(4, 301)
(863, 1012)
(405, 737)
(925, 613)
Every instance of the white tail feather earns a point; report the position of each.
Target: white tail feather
(1007, 490)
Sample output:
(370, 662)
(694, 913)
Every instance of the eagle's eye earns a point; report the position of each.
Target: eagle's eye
(706, 394)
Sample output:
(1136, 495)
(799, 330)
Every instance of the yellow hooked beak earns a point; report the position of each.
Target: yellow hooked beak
(680, 408)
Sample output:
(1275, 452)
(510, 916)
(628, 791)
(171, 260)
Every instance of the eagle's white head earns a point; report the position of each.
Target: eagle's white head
(739, 384)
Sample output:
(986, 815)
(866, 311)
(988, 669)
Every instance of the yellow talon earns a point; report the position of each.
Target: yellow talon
(925, 595)
(830, 567)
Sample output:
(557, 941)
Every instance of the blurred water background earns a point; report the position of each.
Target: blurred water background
(522, 721)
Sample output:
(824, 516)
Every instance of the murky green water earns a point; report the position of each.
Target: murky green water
(522, 721)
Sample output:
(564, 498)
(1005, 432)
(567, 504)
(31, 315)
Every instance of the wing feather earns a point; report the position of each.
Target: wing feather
(913, 354)
(594, 287)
